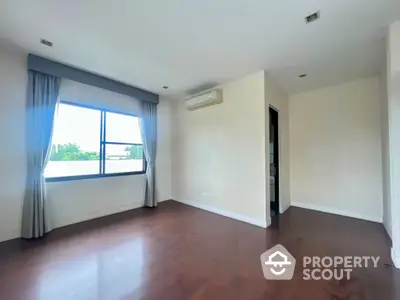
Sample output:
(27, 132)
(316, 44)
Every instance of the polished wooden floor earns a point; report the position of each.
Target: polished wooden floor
(179, 252)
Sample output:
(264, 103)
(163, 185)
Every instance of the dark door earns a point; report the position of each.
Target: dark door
(274, 161)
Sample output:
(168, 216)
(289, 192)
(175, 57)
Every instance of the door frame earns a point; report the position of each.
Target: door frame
(278, 146)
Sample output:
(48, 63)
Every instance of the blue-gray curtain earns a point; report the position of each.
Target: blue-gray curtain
(41, 101)
(148, 129)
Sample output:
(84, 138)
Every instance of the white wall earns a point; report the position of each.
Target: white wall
(335, 149)
(70, 201)
(394, 48)
(387, 209)
(78, 200)
(279, 100)
(13, 79)
(164, 151)
(393, 88)
(175, 111)
(220, 153)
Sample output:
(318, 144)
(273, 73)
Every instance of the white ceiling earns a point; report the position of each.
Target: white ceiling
(189, 44)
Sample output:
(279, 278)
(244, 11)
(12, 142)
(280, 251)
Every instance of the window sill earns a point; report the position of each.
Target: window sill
(94, 176)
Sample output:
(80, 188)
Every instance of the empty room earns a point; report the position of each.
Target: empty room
(200, 150)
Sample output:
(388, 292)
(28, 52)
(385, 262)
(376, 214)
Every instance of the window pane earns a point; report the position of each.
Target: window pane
(76, 142)
(122, 129)
(122, 158)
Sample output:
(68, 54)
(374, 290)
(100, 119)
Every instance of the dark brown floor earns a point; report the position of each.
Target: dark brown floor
(179, 252)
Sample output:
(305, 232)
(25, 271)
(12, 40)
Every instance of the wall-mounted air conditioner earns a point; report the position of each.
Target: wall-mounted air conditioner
(205, 99)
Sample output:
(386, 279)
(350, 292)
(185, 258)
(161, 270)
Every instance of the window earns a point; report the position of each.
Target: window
(90, 142)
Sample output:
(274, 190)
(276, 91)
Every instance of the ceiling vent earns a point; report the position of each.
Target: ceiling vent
(313, 17)
(46, 43)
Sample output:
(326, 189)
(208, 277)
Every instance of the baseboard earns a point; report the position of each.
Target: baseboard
(335, 211)
(285, 208)
(159, 201)
(396, 258)
(256, 222)
(71, 220)
(9, 235)
(94, 214)
(268, 222)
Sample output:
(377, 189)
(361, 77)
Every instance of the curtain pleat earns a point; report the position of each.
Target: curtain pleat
(148, 129)
(41, 101)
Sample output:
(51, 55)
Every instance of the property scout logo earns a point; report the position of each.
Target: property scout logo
(278, 264)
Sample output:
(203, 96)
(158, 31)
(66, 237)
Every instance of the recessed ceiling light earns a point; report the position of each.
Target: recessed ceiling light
(302, 75)
(313, 17)
(165, 87)
(46, 43)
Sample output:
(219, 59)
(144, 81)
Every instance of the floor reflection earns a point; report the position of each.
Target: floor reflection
(112, 273)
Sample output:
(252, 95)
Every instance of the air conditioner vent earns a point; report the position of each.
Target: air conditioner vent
(204, 99)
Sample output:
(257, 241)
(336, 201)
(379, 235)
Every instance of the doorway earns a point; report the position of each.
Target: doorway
(274, 161)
